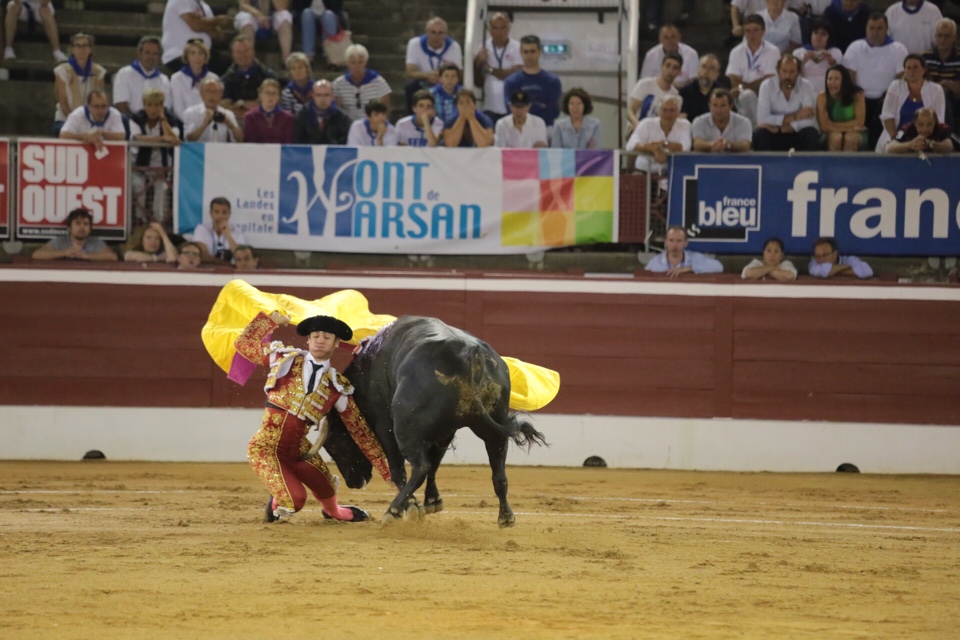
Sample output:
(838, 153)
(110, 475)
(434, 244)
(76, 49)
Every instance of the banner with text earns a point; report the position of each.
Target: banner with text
(4, 189)
(872, 204)
(401, 199)
(57, 176)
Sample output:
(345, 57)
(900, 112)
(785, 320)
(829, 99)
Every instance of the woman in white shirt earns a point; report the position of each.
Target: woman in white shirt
(905, 96)
(185, 84)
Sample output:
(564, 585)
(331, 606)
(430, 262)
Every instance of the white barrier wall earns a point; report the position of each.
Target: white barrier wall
(221, 435)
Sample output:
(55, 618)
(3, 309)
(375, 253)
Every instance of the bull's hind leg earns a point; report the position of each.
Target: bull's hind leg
(432, 502)
(497, 453)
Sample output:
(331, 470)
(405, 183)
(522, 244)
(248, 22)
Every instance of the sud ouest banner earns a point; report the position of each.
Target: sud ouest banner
(402, 199)
(872, 204)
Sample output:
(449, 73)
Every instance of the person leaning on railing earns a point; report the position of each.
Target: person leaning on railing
(150, 243)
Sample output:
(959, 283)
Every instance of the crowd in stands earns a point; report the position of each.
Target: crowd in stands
(802, 75)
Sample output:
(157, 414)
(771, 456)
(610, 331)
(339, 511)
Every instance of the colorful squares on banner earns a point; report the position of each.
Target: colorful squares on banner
(521, 195)
(557, 197)
(557, 163)
(594, 163)
(520, 164)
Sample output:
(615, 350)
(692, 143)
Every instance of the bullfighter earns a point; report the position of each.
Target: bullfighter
(302, 387)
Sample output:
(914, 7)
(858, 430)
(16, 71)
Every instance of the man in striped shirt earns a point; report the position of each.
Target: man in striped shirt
(360, 86)
(943, 66)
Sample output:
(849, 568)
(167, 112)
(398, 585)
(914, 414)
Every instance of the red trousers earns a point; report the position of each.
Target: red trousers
(275, 453)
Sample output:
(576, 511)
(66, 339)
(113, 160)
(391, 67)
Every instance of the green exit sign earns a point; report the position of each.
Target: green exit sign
(556, 49)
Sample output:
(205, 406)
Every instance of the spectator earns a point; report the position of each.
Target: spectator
(76, 79)
(658, 137)
(34, 8)
(943, 66)
(268, 122)
(374, 130)
(818, 56)
(782, 27)
(841, 113)
(786, 111)
(445, 91)
(670, 43)
(332, 19)
(150, 243)
(218, 239)
(359, 86)
(696, 95)
(543, 87)
(299, 91)
(905, 96)
(94, 122)
(750, 63)
(245, 258)
(522, 129)
(676, 260)
(190, 256)
(495, 61)
(721, 130)
(186, 20)
(185, 83)
(469, 128)
(848, 21)
(913, 23)
(78, 244)
(261, 18)
(772, 265)
(153, 123)
(648, 93)
(874, 63)
(423, 128)
(426, 54)
(827, 262)
(653, 11)
(740, 10)
(241, 82)
(144, 73)
(321, 122)
(208, 121)
(579, 130)
(924, 135)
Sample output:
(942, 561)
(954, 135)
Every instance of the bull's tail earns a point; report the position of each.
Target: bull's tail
(516, 427)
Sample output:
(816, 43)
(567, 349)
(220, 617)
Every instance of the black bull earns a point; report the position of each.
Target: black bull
(417, 383)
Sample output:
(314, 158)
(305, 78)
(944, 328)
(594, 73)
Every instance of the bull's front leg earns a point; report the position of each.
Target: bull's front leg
(406, 501)
(497, 454)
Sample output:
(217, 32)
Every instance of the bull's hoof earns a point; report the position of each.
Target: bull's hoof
(507, 520)
(390, 516)
(433, 505)
(415, 512)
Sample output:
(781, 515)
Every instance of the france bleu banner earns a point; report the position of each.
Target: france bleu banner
(402, 199)
(872, 204)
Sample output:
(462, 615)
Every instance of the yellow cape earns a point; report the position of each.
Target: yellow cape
(532, 386)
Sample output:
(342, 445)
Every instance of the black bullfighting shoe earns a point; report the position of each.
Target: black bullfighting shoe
(268, 512)
(359, 515)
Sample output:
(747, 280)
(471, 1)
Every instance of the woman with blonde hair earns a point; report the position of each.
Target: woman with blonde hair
(150, 243)
(299, 91)
(185, 83)
(76, 78)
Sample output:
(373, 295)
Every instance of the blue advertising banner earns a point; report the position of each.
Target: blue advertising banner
(872, 204)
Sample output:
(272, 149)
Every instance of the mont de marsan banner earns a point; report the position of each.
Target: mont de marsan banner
(402, 199)
(872, 204)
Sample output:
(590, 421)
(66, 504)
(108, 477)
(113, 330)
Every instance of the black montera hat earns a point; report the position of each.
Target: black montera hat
(329, 324)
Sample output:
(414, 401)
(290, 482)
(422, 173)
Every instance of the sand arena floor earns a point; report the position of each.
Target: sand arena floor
(126, 550)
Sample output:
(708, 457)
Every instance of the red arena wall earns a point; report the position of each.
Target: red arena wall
(686, 353)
